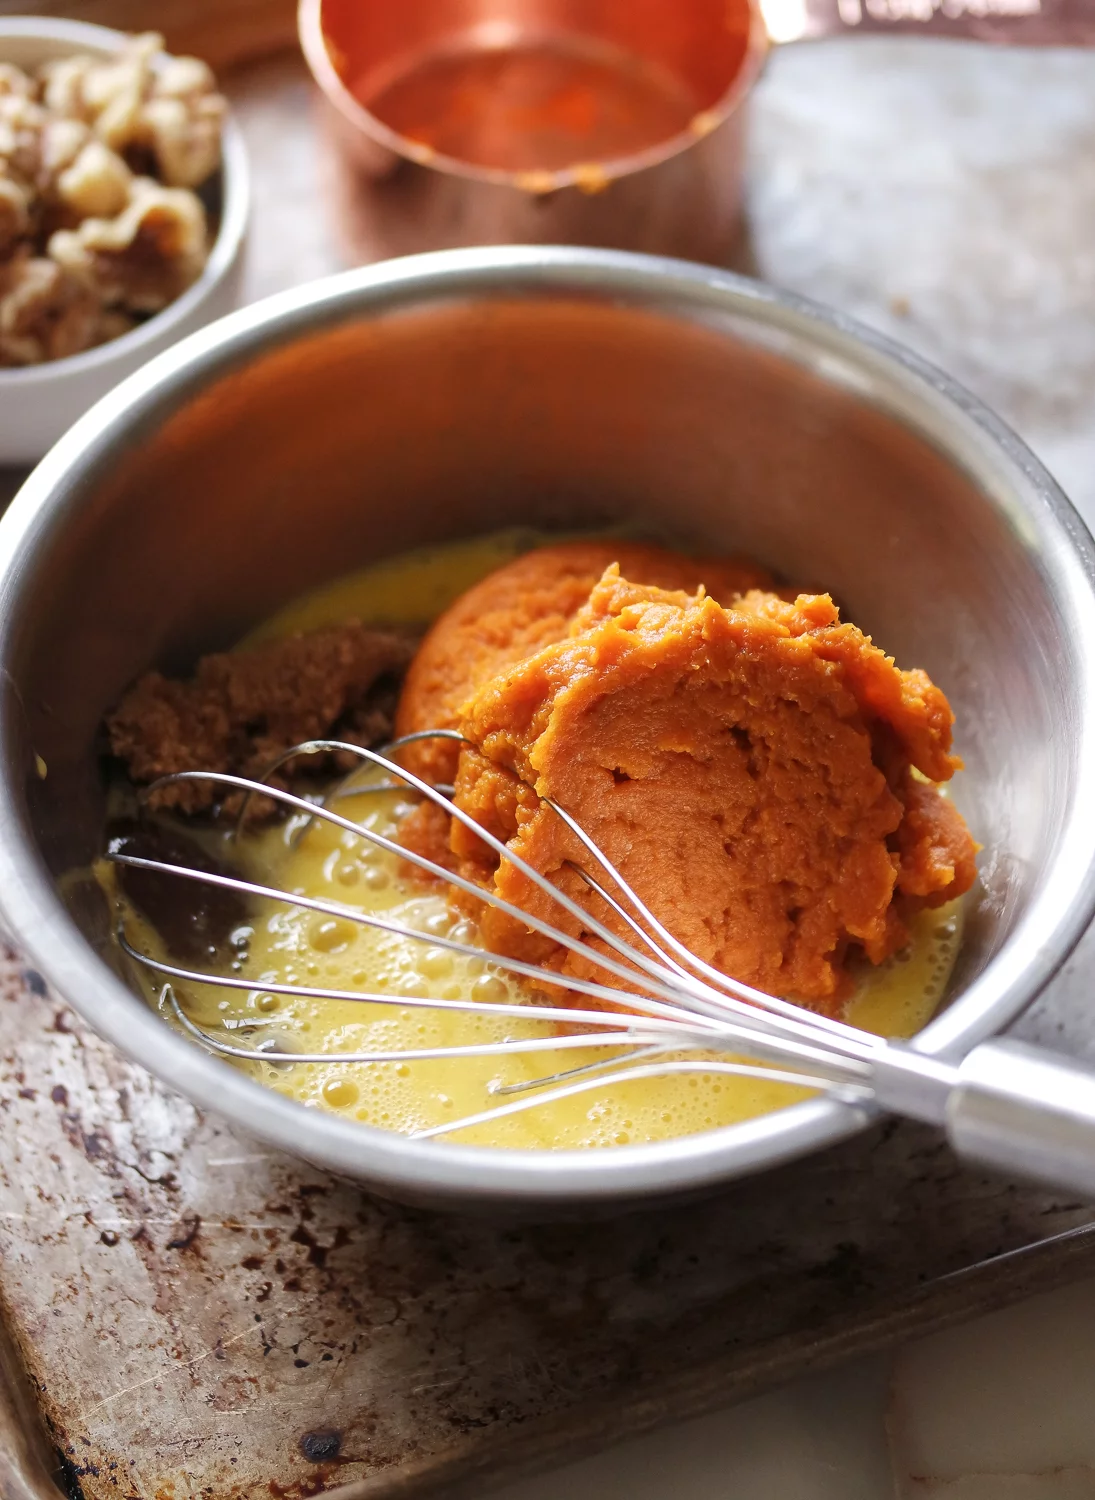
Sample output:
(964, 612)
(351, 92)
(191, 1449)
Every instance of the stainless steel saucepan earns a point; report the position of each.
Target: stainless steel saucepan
(452, 394)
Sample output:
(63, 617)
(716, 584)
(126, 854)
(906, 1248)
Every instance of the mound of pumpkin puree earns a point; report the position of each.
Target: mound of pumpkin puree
(522, 607)
(764, 776)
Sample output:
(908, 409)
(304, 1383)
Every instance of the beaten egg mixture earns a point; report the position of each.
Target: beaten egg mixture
(284, 944)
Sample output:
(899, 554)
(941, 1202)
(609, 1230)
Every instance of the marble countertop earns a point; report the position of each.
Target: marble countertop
(999, 1409)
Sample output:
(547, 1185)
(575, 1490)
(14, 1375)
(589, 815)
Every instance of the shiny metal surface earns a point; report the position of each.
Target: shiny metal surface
(1008, 1105)
(475, 161)
(692, 61)
(1026, 1112)
(696, 55)
(450, 394)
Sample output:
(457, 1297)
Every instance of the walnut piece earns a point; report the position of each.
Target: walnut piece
(102, 91)
(61, 143)
(168, 112)
(185, 137)
(14, 213)
(62, 86)
(14, 81)
(145, 257)
(99, 226)
(21, 125)
(44, 313)
(184, 119)
(97, 184)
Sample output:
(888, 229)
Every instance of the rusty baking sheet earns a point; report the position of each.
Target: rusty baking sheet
(184, 1313)
(199, 1316)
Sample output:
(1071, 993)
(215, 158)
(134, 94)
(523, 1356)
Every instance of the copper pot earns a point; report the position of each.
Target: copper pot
(617, 123)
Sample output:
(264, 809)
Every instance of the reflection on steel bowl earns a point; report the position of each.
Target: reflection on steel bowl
(450, 396)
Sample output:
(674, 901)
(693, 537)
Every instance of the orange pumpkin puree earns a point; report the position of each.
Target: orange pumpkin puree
(522, 607)
(761, 773)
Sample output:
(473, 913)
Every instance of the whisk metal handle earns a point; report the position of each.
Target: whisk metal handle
(1026, 1111)
(1007, 1105)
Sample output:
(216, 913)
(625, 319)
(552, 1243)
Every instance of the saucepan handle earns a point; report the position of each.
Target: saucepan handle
(1016, 23)
(1026, 1111)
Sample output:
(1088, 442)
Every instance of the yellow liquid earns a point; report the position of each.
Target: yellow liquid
(283, 944)
(413, 588)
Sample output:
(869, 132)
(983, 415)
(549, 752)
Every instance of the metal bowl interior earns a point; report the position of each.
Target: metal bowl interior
(447, 395)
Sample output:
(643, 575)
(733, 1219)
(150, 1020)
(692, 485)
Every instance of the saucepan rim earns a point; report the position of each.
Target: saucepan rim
(842, 351)
(316, 47)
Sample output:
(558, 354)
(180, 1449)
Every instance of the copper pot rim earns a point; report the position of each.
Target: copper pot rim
(586, 176)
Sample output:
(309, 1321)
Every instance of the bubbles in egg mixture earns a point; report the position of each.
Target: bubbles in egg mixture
(281, 944)
(287, 945)
(899, 998)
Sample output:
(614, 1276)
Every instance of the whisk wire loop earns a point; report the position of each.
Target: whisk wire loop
(672, 1009)
(701, 995)
(734, 987)
(546, 1014)
(509, 1047)
(652, 974)
(396, 929)
(638, 1074)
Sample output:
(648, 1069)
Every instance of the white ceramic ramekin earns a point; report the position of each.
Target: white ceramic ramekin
(40, 402)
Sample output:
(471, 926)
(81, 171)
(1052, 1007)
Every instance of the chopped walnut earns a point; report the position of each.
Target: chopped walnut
(99, 227)
(145, 257)
(61, 143)
(21, 125)
(184, 136)
(115, 93)
(14, 214)
(14, 81)
(62, 86)
(169, 114)
(44, 313)
(185, 78)
(103, 91)
(97, 184)
(185, 118)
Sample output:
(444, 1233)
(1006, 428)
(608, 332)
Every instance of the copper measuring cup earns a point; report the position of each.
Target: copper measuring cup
(615, 123)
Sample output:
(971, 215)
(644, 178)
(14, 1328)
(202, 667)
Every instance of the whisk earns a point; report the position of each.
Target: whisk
(1006, 1104)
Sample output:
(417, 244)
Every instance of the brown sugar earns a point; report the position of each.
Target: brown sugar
(522, 607)
(762, 775)
(242, 709)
